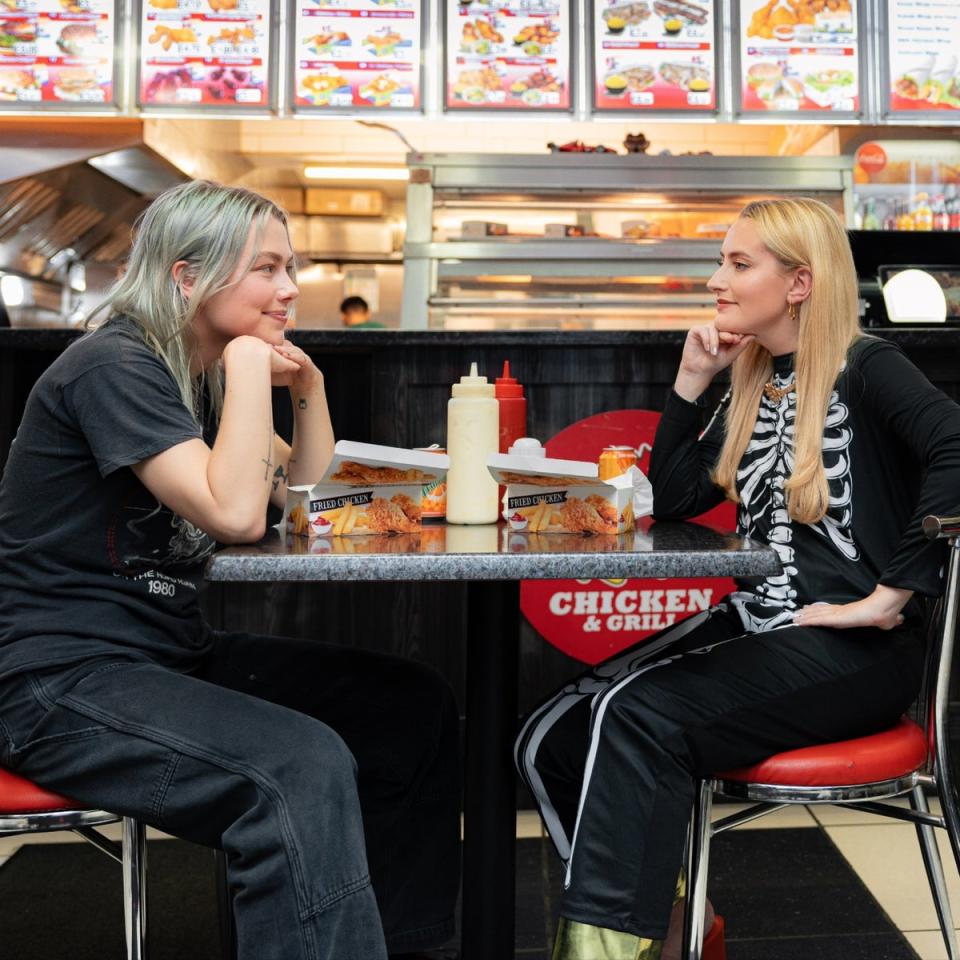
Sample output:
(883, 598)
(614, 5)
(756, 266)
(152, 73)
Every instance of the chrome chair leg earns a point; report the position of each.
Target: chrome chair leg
(943, 767)
(698, 865)
(934, 867)
(134, 888)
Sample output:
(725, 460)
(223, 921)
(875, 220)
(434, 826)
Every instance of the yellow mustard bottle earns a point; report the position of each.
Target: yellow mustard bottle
(473, 433)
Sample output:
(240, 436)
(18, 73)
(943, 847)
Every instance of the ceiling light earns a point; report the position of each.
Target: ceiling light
(12, 290)
(356, 173)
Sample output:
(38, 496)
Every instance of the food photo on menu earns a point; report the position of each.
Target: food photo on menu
(15, 34)
(204, 52)
(508, 55)
(655, 54)
(929, 82)
(799, 55)
(923, 44)
(358, 53)
(56, 50)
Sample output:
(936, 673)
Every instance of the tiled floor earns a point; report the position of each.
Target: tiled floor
(883, 853)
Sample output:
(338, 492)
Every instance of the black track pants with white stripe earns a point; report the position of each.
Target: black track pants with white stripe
(613, 756)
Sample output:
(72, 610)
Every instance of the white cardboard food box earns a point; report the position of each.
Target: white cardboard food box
(366, 489)
(562, 496)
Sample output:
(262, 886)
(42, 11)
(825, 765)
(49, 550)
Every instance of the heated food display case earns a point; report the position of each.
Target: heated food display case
(574, 241)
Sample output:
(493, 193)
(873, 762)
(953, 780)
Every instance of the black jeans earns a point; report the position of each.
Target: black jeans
(612, 757)
(303, 761)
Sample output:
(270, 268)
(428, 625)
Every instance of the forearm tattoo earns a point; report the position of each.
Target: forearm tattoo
(280, 477)
(268, 461)
(302, 404)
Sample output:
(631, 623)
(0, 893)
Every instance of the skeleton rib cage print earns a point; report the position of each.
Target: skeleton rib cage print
(767, 464)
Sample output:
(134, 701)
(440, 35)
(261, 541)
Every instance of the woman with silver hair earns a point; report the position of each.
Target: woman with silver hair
(147, 441)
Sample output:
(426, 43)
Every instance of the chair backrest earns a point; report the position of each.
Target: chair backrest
(942, 630)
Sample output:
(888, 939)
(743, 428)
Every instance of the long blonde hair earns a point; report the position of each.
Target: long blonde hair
(207, 225)
(799, 232)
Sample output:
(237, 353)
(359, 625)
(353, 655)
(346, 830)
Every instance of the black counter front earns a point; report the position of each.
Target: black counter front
(392, 387)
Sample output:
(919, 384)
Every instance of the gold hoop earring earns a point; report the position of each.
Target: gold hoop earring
(792, 312)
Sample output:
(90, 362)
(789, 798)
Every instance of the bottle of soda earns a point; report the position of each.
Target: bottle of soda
(953, 206)
(941, 219)
(923, 213)
(890, 217)
(905, 217)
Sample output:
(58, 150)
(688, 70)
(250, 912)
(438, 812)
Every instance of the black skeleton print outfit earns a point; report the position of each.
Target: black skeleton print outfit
(611, 758)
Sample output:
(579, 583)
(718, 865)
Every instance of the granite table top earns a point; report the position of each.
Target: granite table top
(495, 552)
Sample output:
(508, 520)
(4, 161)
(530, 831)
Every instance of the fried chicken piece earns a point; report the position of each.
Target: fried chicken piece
(534, 480)
(387, 517)
(362, 473)
(576, 516)
(607, 511)
(409, 506)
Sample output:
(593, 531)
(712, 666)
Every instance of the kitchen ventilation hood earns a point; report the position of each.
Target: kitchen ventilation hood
(80, 210)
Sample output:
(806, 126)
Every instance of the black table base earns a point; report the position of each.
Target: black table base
(489, 803)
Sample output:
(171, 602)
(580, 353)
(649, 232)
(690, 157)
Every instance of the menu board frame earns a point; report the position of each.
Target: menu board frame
(207, 109)
(860, 115)
(117, 102)
(573, 62)
(693, 113)
(930, 117)
(425, 12)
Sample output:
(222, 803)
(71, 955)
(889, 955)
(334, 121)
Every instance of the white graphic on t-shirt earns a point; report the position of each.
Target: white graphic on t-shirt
(158, 538)
(767, 463)
(189, 543)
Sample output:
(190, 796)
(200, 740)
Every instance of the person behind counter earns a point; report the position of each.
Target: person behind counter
(316, 768)
(834, 446)
(355, 314)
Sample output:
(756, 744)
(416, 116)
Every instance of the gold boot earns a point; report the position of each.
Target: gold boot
(581, 941)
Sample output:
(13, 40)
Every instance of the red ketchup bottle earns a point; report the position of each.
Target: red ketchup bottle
(513, 408)
(513, 411)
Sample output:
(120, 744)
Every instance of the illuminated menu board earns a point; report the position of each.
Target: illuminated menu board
(357, 54)
(508, 55)
(923, 44)
(654, 54)
(799, 57)
(205, 53)
(57, 51)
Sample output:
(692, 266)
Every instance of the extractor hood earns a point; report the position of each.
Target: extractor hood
(82, 210)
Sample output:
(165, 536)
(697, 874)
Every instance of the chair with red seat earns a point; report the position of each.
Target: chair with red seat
(859, 773)
(27, 808)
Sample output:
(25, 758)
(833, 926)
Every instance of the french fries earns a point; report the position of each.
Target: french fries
(341, 520)
(536, 521)
(351, 520)
(297, 522)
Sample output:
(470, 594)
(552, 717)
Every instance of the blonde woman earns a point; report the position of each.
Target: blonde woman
(315, 768)
(834, 446)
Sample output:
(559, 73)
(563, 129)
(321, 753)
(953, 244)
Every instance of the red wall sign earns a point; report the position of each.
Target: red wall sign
(871, 157)
(592, 620)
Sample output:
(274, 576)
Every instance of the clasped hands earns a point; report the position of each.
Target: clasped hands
(291, 367)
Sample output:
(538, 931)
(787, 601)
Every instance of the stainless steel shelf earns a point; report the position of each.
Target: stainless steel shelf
(570, 173)
(642, 185)
(579, 248)
(541, 304)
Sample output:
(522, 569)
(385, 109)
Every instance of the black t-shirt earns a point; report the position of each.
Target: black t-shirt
(91, 564)
(891, 450)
